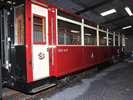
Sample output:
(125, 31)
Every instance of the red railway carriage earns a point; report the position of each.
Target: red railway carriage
(40, 42)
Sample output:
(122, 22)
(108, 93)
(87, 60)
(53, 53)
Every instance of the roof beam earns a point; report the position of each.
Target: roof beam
(115, 20)
(94, 6)
(80, 4)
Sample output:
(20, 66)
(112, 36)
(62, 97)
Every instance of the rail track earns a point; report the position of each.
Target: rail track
(11, 95)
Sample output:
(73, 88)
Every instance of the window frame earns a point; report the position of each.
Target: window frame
(109, 33)
(90, 36)
(43, 29)
(84, 25)
(117, 39)
(66, 33)
(105, 32)
(17, 39)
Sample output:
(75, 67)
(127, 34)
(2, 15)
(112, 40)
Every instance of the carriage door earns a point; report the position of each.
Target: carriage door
(40, 54)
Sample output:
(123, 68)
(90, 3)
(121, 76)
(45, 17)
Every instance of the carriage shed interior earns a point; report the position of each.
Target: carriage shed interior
(97, 33)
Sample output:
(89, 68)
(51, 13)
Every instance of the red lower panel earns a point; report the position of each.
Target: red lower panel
(90, 56)
(52, 67)
(69, 59)
(115, 52)
(103, 54)
(111, 52)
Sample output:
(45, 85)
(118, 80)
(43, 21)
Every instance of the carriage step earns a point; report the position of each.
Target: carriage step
(42, 87)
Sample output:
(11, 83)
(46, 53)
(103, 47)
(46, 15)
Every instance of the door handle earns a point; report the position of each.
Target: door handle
(50, 59)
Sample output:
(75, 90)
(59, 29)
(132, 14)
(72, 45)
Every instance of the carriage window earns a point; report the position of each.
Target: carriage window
(68, 33)
(61, 39)
(39, 30)
(121, 41)
(19, 26)
(102, 38)
(110, 39)
(90, 36)
(116, 40)
(69, 16)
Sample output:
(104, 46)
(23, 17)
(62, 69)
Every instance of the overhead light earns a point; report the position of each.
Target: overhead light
(128, 11)
(108, 12)
(126, 27)
(10, 2)
(87, 34)
(104, 37)
(73, 31)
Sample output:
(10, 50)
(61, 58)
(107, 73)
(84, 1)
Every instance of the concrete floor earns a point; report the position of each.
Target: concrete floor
(112, 83)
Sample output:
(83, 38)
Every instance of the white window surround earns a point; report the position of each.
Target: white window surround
(82, 32)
